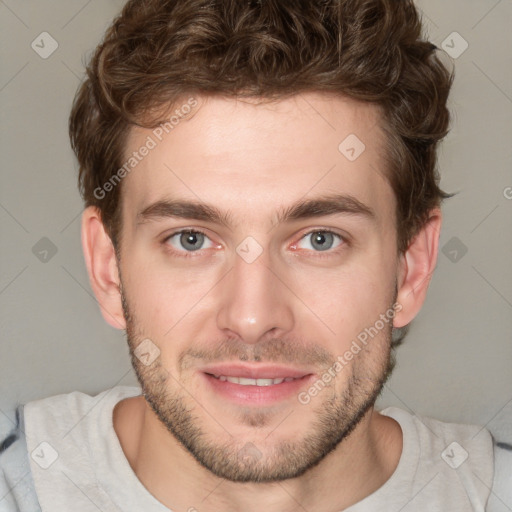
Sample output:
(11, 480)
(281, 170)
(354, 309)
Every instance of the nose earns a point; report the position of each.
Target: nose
(254, 301)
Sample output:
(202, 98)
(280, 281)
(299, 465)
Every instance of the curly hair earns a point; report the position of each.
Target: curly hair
(159, 51)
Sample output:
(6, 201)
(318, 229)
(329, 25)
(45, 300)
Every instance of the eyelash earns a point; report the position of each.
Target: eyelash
(192, 254)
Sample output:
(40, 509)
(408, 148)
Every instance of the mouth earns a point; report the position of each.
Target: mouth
(244, 381)
(255, 384)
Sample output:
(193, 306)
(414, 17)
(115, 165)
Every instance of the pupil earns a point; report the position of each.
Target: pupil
(320, 239)
(190, 240)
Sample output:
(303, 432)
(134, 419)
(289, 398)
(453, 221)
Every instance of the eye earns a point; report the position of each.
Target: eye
(320, 240)
(188, 240)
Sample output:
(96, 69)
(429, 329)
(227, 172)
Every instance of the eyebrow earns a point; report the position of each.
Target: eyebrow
(332, 204)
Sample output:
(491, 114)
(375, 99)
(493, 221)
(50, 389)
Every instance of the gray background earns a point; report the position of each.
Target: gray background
(456, 363)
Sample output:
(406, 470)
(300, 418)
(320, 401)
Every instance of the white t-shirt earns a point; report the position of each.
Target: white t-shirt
(76, 463)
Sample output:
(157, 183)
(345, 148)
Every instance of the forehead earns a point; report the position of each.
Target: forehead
(255, 158)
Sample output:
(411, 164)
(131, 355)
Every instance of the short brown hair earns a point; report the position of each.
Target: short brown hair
(158, 51)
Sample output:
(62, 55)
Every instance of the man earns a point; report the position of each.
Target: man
(262, 218)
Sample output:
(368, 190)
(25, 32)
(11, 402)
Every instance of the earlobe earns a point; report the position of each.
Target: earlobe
(416, 267)
(100, 260)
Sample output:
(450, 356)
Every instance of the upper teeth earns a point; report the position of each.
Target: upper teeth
(253, 382)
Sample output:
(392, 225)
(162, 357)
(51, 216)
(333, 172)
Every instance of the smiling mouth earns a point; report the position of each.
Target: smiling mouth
(257, 386)
(245, 381)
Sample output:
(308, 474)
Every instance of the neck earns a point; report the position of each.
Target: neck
(358, 466)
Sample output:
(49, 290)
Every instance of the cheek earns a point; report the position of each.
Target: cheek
(332, 302)
(161, 294)
(347, 299)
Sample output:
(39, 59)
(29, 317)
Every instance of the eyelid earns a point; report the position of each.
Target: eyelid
(187, 230)
(325, 229)
(344, 239)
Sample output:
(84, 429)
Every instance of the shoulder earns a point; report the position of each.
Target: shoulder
(501, 495)
(17, 492)
(459, 458)
(57, 414)
(446, 441)
(46, 419)
(481, 455)
(501, 431)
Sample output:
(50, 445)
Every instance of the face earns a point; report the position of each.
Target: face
(255, 255)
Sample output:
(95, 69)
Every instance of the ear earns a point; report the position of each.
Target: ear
(416, 267)
(101, 265)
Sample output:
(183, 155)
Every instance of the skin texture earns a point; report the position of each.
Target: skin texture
(294, 305)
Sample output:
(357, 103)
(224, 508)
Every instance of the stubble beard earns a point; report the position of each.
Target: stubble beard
(336, 414)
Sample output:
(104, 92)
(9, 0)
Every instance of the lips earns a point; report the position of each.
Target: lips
(244, 381)
(256, 375)
(255, 385)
